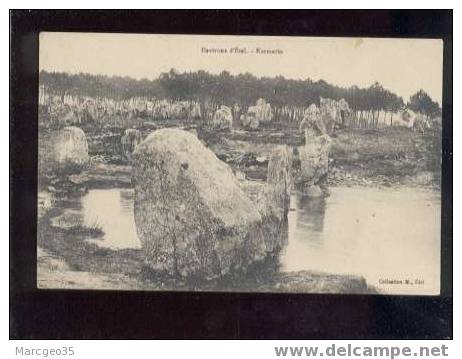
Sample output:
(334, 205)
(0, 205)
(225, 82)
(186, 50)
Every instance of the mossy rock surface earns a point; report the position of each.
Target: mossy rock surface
(191, 214)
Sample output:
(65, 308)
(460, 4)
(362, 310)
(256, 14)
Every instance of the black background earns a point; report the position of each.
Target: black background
(61, 314)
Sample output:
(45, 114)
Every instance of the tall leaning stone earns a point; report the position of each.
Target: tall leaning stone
(273, 198)
(191, 215)
(279, 178)
(274, 202)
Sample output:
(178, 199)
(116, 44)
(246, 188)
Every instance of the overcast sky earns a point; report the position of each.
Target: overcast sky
(401, 65)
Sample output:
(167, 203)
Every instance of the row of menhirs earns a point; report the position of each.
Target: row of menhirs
(71, 109)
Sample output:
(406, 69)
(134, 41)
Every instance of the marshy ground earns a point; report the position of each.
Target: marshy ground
(391, 157)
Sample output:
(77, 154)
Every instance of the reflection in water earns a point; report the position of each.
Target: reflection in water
(310, 215)
(112, 209)
(377, 233)
(126, 200)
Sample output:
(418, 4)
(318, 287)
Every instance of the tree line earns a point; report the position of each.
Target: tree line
(227, 89)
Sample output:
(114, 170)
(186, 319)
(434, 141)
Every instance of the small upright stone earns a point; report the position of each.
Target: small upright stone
(223, 118)
(69, 150)
(130, 139)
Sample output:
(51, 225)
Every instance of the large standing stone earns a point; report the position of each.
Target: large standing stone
(317, 125)
(312, 122)
(69, 149)
(191, 215)
(130, 139)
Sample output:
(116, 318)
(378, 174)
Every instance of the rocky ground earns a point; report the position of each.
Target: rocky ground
(54, 272)
(358, 157)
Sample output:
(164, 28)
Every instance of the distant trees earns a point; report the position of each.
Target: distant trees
(226, 89)
(422, 102)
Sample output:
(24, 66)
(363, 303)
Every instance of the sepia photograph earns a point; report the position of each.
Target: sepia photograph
(239, 163)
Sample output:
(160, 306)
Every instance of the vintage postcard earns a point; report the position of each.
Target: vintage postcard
(239, 163)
